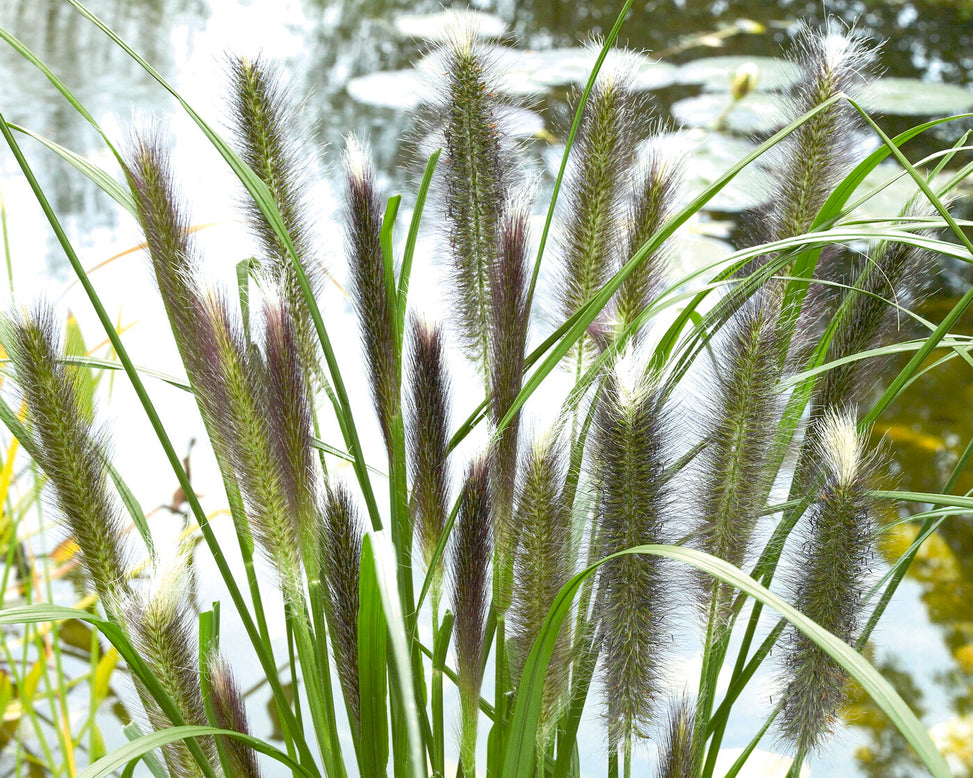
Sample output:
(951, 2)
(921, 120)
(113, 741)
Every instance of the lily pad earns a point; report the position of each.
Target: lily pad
(715, 74)
(440, 27)
(399, 89)
(758, 112)
(892, 192)
(707, 156)
(525, 73)
(913, 97)
(536, 72)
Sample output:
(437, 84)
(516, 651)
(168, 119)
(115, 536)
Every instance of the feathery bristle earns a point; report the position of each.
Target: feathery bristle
(470, 570)
(171, 246)
(240, 376)
(542, 565)
(263, 113)
(477, 180)
(833, 567)
(734, 479)
(343, 532)
(655, 199)
(289, 410)
(428, 435)
(230, 713)
(603, 153)
(676, 753)
(632, 596)
(508, 342)
(161, 622)
(816, 154)
(68, 447)
(372, 291)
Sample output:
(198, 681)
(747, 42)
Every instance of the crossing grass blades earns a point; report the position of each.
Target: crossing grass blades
(548, 573)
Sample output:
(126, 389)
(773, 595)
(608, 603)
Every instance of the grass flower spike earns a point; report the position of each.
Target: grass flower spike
(428, 435)
(734, 478)
(263, 116)
(373, 286)
(603, 155)
(542, 565)
(477, 174)
(342, 543)
(633, 598)
(470, 568)
(834, 564)
(69, 448)
(817, 154)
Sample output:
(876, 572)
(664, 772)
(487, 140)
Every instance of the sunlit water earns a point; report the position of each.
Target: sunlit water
(329, 50)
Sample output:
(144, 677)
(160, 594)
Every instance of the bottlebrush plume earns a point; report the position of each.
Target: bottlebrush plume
(239, 377)
(656, 195)
(603, 153)
(472, 551)
(68, 447)
(815, 156)
(633, 595)
(342, 543)
(741, 425)
(229, 712)
(428, 434)
(508, 342)
(543, 563)
(834, 562)
(263, 115)
(676, 753)
(372, 287)
(161, 623)
(477, 180)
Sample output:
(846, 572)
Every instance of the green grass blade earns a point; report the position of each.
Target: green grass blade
(133, 507)
(34, 60)
(405, 272)
(152, 762)
(99, 176)
(372, 640)
(147, 743)
(384, 564)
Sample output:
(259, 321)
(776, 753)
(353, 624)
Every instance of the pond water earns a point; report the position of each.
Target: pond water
(355, 61)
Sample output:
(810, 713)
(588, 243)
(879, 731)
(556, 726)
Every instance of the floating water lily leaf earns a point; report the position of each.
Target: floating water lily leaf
(913, 97)
(707, 156)
(890, 199)
(715, 74)
(438, 27)
(400, 89)
(692, 253)
(521, 122)
(758, 112)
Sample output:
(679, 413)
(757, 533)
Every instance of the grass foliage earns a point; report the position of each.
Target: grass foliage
(714, 441)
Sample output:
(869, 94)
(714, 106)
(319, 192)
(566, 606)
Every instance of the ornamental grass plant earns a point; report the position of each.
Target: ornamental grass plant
(710, 469)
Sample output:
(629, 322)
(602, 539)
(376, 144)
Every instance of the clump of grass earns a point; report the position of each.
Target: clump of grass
(599, 498)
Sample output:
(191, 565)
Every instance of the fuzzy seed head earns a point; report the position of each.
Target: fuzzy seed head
(427, 432)
(342, 543)
(68, 447)
(230, 713)
(373, 287)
